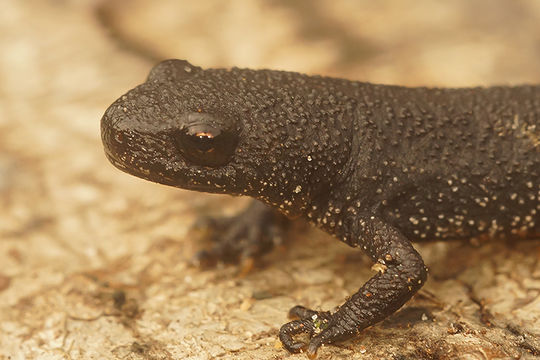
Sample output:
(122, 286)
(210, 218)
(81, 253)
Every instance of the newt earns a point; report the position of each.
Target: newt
(377, 166)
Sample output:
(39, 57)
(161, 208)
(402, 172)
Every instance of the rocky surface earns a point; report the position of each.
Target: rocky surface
(93, 262)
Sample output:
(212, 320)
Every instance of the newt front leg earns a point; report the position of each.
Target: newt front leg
(402, 276)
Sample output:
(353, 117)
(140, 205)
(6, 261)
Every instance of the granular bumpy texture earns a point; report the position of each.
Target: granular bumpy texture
(376, 166)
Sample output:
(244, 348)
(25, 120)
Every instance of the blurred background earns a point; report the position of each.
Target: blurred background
(93, 261)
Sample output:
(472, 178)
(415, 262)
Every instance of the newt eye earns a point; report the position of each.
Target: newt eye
(207, 145)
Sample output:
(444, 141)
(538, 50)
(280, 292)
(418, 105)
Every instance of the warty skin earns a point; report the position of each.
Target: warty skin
(376, 166)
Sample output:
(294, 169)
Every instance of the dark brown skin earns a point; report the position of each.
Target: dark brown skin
(376, 166)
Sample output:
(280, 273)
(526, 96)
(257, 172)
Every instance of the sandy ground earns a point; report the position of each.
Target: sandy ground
(93, 262)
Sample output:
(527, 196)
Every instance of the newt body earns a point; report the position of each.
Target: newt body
(377, 166)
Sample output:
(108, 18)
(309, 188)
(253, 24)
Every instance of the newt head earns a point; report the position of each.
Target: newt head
(218, 131)
(176, 129)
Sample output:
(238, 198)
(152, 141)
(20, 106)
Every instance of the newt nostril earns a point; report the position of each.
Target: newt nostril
(119, 137)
